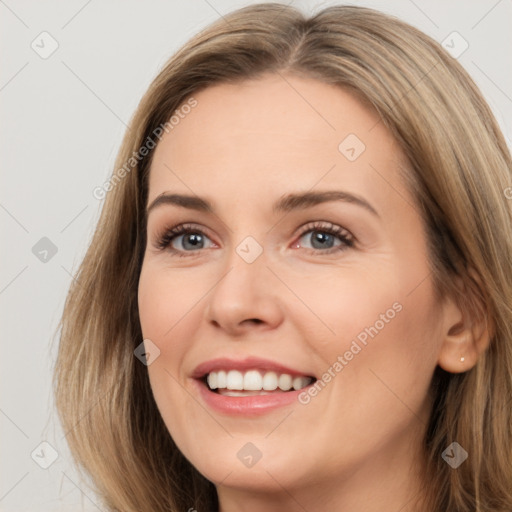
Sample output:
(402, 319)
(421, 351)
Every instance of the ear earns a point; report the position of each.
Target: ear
(466, 335)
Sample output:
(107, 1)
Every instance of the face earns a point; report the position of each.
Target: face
(308, 269)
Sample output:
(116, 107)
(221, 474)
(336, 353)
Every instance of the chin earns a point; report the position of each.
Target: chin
(248, 462)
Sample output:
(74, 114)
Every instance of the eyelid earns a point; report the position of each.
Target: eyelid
(320, 225)
(166, 236)
(344, 235)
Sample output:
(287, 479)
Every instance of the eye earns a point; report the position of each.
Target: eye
(183, 238)
(325, 238)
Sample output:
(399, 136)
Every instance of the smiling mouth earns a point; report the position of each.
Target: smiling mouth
(254, 382)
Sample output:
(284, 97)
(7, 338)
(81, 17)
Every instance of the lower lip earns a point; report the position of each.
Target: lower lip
(246, 405)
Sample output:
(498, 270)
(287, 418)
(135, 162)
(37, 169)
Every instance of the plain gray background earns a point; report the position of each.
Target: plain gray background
(63, 118)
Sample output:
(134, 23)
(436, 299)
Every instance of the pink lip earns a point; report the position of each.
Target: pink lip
(245, 405)
(249, 363)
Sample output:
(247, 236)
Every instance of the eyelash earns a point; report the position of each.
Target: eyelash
(167, 237)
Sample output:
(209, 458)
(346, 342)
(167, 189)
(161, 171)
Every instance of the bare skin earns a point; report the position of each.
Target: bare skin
(356, 444)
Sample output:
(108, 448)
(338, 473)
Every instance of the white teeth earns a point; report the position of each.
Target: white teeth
(227, 392)
(300, 382)
(234, 380)
(270, 381)
(254, 380)
(285, 382)
(213, 380)
(221, 379)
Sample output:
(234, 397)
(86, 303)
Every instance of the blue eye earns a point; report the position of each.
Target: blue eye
(324, 239)
(191, 239)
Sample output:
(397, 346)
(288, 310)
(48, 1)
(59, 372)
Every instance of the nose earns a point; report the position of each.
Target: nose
(246, 298)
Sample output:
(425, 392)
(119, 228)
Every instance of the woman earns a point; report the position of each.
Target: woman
(298, 295)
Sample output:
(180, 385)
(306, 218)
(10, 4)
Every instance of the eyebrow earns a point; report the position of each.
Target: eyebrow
(287, 203)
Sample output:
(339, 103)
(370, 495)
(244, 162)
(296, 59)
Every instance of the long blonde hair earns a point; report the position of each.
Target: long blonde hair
(460, 168)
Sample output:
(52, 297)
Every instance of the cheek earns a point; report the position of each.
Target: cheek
(378, 332)
(166, 299)
(342, 303)
(167, 312)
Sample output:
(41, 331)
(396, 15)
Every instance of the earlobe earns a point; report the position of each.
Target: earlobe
(458, 353)
(465, 338)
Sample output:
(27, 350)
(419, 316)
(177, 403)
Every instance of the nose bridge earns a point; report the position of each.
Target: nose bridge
(246, 272)
(245, 291)
(245, 253)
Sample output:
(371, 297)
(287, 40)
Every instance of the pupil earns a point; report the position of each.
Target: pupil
(193, 240)
(322, 238)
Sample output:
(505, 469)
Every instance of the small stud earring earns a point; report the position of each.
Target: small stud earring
(462, 359)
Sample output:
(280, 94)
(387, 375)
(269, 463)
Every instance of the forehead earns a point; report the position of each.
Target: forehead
(274, 134)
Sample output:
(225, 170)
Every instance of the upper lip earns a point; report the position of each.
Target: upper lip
(249, 363)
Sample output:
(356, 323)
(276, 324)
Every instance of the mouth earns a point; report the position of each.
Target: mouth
(254, 382)
(248, 387)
